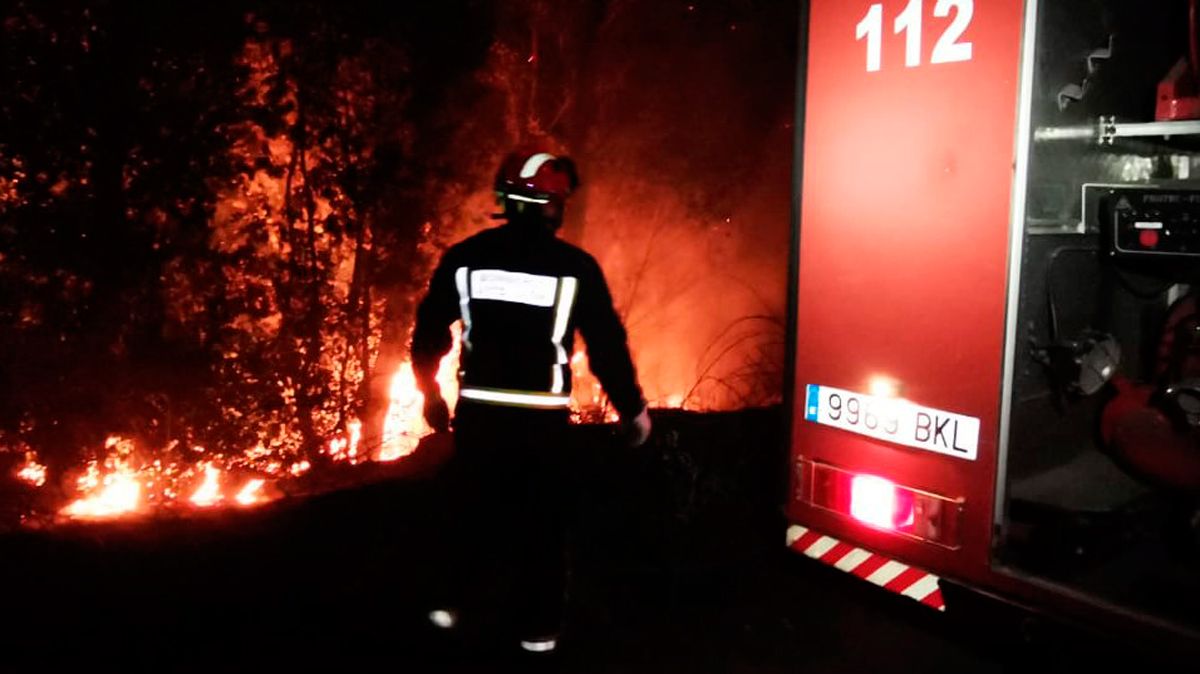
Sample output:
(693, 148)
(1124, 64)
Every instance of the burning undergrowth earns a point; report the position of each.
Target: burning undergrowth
(209, 276)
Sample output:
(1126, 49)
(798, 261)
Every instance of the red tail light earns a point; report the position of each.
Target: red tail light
(883, 504)
(878, 502)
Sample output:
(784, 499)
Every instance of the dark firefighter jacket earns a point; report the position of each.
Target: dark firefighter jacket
(521, 294)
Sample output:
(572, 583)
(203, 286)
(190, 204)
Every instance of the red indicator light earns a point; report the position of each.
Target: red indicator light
(873, 500)
(882, 504)
(1148, 238)
(876, 501)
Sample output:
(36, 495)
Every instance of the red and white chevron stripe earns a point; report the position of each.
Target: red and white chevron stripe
(887, 573)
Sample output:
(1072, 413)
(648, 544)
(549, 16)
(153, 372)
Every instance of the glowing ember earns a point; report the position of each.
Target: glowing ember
(251, 493)
(111, 491)
(259, 451)
(209, 492)
(32, 472)
(300, 468)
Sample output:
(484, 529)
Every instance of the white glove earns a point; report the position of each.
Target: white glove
(639, 428)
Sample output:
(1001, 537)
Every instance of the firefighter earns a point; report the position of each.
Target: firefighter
(521, 293)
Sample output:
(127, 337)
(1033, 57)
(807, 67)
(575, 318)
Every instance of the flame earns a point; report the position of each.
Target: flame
(588, 401)
(116, 486)
(32, 472)
(209, 492)
(251, 493)
(337, 449)
(404, 425)
(354, 427)
(341, 448)
(112, 492)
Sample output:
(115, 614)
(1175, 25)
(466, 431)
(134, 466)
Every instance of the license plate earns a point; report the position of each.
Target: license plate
(894, 420)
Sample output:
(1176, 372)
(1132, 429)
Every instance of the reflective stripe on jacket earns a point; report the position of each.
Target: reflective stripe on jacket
(521, 295)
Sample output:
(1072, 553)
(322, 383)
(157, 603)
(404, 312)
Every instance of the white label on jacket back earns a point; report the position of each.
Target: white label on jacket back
(511, 286)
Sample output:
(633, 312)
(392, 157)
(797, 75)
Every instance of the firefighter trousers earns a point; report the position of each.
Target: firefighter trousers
(508, 502)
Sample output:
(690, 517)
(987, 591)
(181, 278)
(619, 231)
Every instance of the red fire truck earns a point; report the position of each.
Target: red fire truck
(996, 349)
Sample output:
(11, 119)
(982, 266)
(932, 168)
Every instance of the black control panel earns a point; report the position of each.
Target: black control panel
(1149, 222)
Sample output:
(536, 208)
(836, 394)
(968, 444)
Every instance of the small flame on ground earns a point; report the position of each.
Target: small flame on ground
(252, 492)
(32, 472)
(112, 492)
(119, 495)
(209, 492)
(119, 484)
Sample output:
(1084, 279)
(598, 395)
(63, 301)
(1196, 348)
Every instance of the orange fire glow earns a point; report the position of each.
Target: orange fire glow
(209, 493)
(404, 425)
(354, 428)
(337, 449)
(118, 485)
(109, 491)
(305, 337)
(588, 402)
(251, 494)
(341, 448)
(32, 472)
